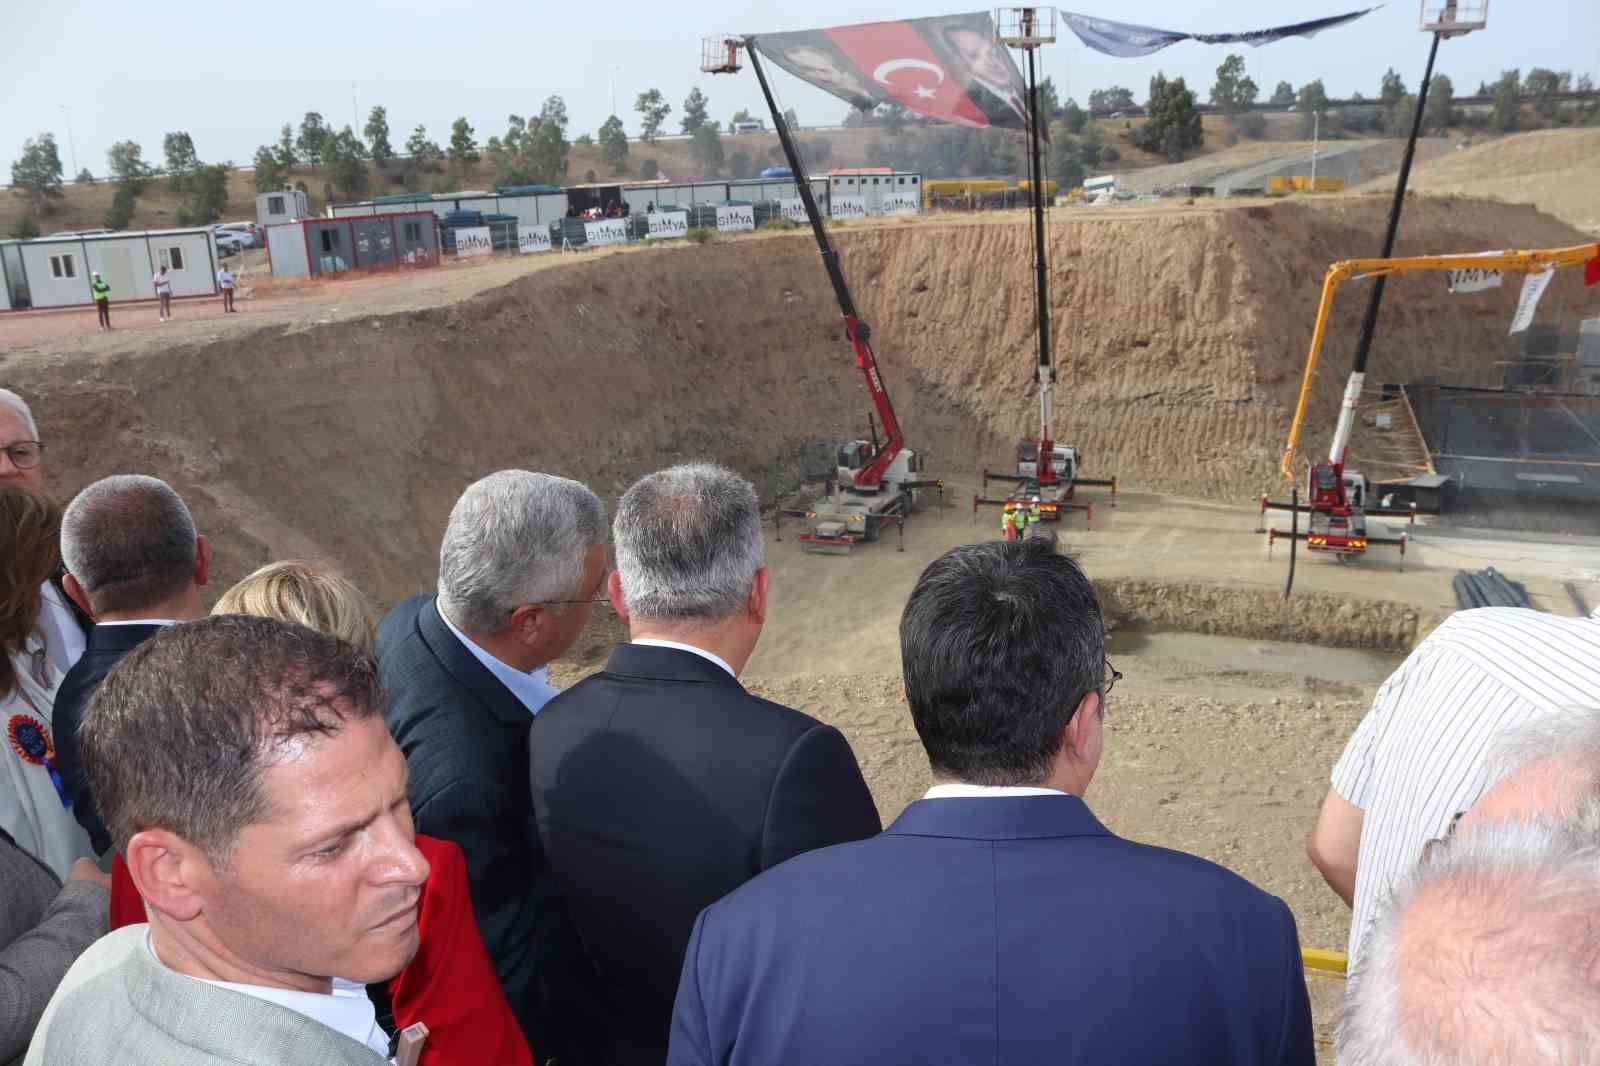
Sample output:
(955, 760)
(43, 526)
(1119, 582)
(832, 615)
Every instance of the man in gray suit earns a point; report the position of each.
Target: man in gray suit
(244, 770)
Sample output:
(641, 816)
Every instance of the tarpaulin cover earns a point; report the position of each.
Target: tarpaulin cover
(1127, 40)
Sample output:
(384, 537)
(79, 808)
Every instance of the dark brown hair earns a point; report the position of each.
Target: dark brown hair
(30, 544)
(178, 734)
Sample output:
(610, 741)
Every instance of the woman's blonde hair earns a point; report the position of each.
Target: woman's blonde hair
(293, 591)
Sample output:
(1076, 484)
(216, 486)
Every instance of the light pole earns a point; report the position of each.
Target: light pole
(1316, 129)
(614, 89)
(71, 148)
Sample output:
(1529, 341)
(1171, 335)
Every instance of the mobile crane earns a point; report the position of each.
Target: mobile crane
(1336, 496)
(874, 483)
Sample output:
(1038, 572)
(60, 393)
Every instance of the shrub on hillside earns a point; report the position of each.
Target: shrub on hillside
(25, 228)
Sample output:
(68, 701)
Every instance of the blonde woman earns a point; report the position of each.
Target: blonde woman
(293, 591)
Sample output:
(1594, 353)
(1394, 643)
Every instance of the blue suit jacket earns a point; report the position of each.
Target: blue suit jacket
(996, 930)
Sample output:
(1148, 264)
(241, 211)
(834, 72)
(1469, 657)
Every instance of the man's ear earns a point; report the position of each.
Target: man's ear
(614, 594)
(1077, 731)
(170, 873)
(202, 560)
(76, 594)
(528, 623)
(757, 604)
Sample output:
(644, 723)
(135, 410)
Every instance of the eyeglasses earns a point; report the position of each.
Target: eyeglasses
(24, 454)
(1116, 675)
(595, 599)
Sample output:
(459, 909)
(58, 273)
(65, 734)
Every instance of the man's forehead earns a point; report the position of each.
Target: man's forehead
(12, 427)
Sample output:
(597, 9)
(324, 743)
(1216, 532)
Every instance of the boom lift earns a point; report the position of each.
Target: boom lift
(1336, 495)
(874, 482)
(1045, 471)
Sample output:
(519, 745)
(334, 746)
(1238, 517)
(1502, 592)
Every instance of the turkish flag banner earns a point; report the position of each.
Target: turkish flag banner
(949, 68)
(1591, 271)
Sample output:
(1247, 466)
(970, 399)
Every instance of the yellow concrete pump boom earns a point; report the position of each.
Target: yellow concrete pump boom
(1524, 262)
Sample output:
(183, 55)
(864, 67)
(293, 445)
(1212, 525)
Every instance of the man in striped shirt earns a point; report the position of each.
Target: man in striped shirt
(1417, 758)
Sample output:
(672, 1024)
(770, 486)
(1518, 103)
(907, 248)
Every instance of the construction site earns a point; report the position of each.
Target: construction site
(339, 421)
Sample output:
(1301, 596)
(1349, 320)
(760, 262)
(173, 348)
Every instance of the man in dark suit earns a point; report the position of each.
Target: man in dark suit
(135, 564)
(996, 920)
(522, 557)
(660, 783)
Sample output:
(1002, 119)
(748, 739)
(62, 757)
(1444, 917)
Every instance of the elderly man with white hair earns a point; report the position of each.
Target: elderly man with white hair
(22, 463)
(522, 560)
(660, 784)
(1548, 768)
(1485, 955)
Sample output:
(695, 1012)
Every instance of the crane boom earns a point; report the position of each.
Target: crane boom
(859, 333)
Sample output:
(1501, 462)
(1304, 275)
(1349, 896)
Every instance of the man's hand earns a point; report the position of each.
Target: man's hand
(86, 870)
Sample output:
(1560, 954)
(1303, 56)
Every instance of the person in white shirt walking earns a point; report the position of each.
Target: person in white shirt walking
(225, 283)
(163, 286)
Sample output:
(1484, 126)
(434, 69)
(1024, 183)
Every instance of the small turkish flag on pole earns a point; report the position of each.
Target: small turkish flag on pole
(1591, 271)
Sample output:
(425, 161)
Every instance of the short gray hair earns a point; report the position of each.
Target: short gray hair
(20, 408)
(129, 540)
(515, 537)
(1568, 738)
(1484, 954)
(688, 543)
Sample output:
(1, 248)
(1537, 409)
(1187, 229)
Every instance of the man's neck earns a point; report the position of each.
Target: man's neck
(192, 950)
(503, 646)
(728, 642)
(185, 608)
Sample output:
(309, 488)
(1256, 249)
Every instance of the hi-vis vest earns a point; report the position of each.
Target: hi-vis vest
(101, 290)
(1007, 521)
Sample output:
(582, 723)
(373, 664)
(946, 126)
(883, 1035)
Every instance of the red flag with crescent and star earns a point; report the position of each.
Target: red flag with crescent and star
(948, 68)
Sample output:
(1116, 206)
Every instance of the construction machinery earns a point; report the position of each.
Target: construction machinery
(1337, 497)
(1045, 471)
(874, 483)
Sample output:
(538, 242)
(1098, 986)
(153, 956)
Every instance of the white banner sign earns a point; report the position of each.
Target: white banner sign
(474, 242)
(666, 224)
(533, 239)
(794, 210)
(846, 207)
(606, 231)
(1533, 287)
(736, 217)
(901, 203)
(1473, 279)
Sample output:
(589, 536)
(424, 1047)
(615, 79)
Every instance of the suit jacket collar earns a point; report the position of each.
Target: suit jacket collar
(468, 672)
(650, 663)
(999, 818)
(228, 1024)
(120, 639)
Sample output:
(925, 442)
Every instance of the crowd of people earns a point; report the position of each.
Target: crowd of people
(273, 832)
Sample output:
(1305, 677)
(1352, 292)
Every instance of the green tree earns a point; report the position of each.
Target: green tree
(120, 213)
(1174, 123)
(653, 111)
(347, 165)
(1049, 100)
(1233, 92)
(740, 165)
(1440, 112)
(1066, 163)
(420, 148)
(37, 172)
(285, 152)
(208, 195)
(178, 148)
(312, 144)
(1397, 120)
(1283, 95)
(1116, 98)
(707, 148)
(894, 117)
(125, 160)
(614, 145)
(84, 177)
(269, 172)
(1507, 113)
(377, 131)
(1392, 89)
(740, 115)
(1312, 100)
(1542, 84)
(1092, 148)
(25, 228)
(536, 149)
(584, 140)
(463, 148)
(695, 106)
(1073, 117)
(649, 169)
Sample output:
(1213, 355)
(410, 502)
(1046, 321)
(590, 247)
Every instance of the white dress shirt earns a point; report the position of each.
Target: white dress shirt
(710, 657)
(962, 790)
(141, 622)
(63, 639)
(532, 688)
(346, 1009)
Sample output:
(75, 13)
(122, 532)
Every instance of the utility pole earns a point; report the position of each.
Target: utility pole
(1316, 129)
(71, 148)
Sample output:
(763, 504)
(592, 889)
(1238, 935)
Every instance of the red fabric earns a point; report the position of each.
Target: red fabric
(898, 61)
(450, 985)
(1591, 271)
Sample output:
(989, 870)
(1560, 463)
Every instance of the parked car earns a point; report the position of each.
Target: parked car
(237, 232)
(248, 227)
(228, 243)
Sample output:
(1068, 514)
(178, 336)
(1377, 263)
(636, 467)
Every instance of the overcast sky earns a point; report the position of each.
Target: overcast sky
(231, 74)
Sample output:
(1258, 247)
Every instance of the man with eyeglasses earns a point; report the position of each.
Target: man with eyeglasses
(522, 558)
(22, 462)
(996, 920)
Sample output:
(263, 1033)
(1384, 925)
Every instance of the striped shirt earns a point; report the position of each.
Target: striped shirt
(1417, 758)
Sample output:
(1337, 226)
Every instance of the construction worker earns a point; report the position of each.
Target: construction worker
(1020, 510)
(1035, 513)
(1008, 524)
(102, 300)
